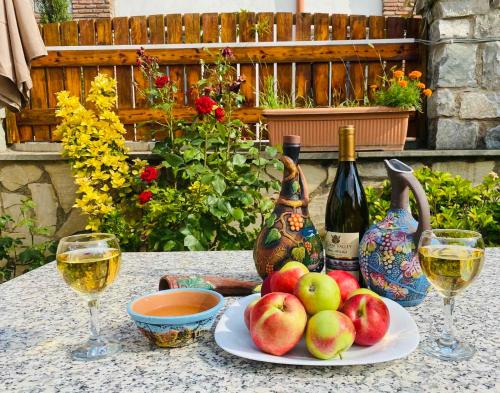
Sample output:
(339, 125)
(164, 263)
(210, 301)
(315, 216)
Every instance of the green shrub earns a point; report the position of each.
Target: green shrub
(454, 202)
(16, 257)
(53, 10)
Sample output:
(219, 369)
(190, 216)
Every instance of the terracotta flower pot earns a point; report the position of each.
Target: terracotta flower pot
(377, 127)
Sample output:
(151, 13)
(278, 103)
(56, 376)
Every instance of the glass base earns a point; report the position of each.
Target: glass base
(96, 349)
(456, 352)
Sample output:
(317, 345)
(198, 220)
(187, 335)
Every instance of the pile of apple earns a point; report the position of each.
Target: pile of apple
(332, 310)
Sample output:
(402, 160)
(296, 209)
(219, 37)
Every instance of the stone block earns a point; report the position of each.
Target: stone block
(14, 176)
(473, 171)
(487, 25)
(456, 8)
(454, 134)
(495, 4)
(332, 171)
(479, 105)
(75, 222)
(317, 208)
(492, 138)
(63, 182)
(315, 176)
(453, 65)
(442, 103)
(45, 200)
(372, 169)
(449, 28)
(491, 66)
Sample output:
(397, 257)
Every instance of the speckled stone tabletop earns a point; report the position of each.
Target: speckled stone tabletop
(41, 319)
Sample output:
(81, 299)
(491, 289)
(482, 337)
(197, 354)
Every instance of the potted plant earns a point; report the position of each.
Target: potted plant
(382, 126)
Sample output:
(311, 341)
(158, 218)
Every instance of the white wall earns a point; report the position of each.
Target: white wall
(150, 7)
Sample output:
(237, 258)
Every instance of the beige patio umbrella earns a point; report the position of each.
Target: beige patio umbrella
(20, 43)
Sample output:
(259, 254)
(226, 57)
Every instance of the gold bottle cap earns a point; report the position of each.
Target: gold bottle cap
(347, 145)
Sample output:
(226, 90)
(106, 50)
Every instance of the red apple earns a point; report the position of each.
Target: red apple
(346, 282)
(248, 312)
(277, 322)
(370, 317)
(285, 279)
(266, 285)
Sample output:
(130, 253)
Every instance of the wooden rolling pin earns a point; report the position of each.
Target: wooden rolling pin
(225, 286)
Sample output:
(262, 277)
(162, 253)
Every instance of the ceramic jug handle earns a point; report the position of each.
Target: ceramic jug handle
(424, 216)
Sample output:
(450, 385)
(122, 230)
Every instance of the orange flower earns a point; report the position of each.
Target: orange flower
(399, 74)
(421, 85)
(373, 87)
(403, 83)
(415, 74)
(427, 92)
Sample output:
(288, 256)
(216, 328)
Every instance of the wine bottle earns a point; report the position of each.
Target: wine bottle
(346, 217)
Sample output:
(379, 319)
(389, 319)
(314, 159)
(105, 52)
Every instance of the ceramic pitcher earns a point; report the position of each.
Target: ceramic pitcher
(388, 255)
(289, 234)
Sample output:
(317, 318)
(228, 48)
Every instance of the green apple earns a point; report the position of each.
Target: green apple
(328, 334)
(318, 292)
(363, 291)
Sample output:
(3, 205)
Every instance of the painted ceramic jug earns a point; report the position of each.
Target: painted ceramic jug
(289, 234)
(388, 255)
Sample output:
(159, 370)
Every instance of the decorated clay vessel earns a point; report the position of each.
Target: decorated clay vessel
(388, 256)
(289, 234)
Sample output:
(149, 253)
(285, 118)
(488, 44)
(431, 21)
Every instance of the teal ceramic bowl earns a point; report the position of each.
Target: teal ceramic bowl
(175, 317)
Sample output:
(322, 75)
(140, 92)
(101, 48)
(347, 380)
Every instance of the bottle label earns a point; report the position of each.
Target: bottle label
(342, 252)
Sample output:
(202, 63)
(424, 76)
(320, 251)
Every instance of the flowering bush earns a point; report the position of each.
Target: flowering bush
(93, 141)
(207, 192)
(401, 91)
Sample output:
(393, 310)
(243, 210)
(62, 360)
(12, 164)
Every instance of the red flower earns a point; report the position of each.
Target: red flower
(149, 174)
(161, 81)
(145, 197)
(204, 105)
(219, 113)
(227, 53)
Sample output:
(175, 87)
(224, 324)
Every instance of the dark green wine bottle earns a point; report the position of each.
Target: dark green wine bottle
(346, 217)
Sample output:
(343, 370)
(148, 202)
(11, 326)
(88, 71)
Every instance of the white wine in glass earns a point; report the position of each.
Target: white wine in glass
(89, 263)
(451, 259)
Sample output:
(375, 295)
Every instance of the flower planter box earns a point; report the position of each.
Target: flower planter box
(377, 128)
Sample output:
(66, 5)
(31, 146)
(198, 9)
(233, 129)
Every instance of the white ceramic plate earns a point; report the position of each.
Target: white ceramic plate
(402, 339)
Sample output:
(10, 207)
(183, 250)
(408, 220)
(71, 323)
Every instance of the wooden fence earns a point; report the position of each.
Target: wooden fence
(298, 50)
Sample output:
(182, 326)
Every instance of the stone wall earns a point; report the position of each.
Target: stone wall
(398, 7)
(50, 184)
(464, 70)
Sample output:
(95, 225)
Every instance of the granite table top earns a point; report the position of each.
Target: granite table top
(41, 319)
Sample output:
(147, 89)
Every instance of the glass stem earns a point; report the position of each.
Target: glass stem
(94, 319)
(447, 337)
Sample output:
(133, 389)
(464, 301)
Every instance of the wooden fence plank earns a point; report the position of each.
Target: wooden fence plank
(247, 34)
(357, 68)
(320, 70)
(55, 82)
(104, 37)
(375, 70)
(124, 73)
(193, 72)
(72, 80)
(156, 25)
(87, 37)
(174, 36)
(303, 71)
(138, 36)
(210, 27)
(394, 29)
(265, 32)
(339, 72)
(284, 31)
(228, 27)
(130, 116)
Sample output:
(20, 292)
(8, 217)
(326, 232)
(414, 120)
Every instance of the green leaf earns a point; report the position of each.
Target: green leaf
(271, 151)
(193, 244)
(272, 236)
(298, 253)
(238, 214)
(295, 186)
(239, 160)
(172, 160)
(219, 185)
(271, 220)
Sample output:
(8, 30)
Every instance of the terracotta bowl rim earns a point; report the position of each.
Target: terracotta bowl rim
(176, 320)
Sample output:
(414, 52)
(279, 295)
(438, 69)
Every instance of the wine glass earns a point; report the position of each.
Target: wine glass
(89, 263)
(451, 259)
